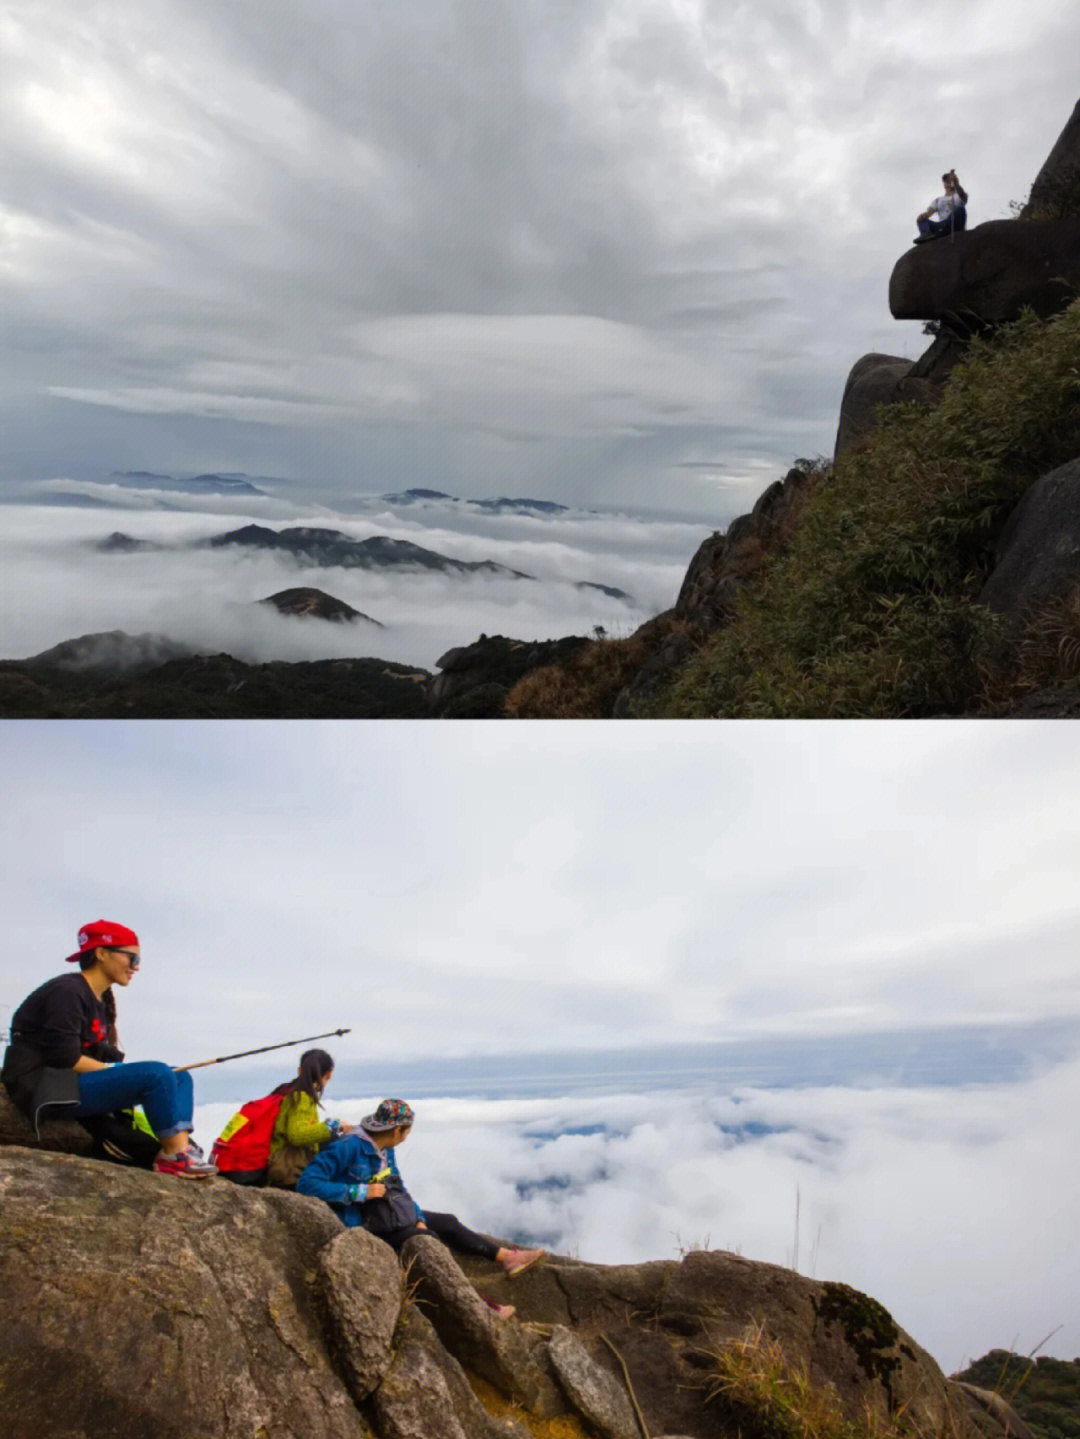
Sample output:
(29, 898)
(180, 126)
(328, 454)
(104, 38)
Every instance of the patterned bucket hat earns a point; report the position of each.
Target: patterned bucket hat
(391, 1114)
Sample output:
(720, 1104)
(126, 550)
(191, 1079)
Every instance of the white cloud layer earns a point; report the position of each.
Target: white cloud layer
(954, 1207)
(636, 885)
(60, 586)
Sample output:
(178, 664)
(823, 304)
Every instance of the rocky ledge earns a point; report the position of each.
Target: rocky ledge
(160, 1309)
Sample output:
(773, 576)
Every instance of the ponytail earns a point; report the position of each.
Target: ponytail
(315, 1065)
(108, 999)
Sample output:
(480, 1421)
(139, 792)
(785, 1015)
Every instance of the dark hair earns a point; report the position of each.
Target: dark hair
(315, 1065)
(108, 999)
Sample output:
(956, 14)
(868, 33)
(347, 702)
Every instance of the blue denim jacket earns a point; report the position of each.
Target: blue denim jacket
(353, 1160)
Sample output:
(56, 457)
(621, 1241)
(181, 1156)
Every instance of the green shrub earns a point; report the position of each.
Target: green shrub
(873, 608)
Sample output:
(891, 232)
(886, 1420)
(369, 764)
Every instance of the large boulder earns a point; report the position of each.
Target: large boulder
(425, 1393)
(494, 1348)
(1039, 547)
(874, 381)
(161, 1309)
(987, 275)
(363, 1292)
(669, 1319)
(591, 1389)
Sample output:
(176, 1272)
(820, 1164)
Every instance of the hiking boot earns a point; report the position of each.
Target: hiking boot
(516, 1261)
(185, 1164)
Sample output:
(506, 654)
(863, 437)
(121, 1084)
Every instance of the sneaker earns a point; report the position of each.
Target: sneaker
(518, 1260)
(501, 1311)
(185, 1164)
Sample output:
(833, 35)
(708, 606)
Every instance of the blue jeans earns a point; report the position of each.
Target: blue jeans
(166, 1095)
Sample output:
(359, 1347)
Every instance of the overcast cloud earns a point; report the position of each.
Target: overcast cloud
(673, 883)
(609, 251)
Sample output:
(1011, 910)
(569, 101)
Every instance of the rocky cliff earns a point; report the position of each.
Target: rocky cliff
(960, 536)
(143, 1306)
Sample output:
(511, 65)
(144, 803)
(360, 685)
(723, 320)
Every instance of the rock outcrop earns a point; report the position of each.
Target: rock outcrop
(874, 381)
(724, 561)
(970, 282)
(1039, 548)
(987, 275)
(475, 679)
(1056, 190)
(144, 1306)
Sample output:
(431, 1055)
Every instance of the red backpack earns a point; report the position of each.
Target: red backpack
(242, 1149)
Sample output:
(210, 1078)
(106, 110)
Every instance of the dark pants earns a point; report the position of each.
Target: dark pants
(450, 1230)
(932, 228)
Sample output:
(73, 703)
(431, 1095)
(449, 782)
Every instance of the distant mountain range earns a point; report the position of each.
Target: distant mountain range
(314, 546)
(500, 506)
(208, 484)
(311, 545)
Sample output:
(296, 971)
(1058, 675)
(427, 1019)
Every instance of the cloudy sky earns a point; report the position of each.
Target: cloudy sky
(566, 887)
(483, 890)
(608, 251)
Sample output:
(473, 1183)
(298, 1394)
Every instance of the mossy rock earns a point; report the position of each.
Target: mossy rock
(868, 1328)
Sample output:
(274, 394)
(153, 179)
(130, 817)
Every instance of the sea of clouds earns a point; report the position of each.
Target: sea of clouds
(954, 1206)
(59, 586)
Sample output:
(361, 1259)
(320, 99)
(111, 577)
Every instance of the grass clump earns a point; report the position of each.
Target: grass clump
(766, 1395)
(872, 610)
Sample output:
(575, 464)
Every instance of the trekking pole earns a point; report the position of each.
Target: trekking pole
(244, 1053)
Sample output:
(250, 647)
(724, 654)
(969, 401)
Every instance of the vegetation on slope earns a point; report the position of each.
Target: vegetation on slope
(1044, 1392)
(873, 608)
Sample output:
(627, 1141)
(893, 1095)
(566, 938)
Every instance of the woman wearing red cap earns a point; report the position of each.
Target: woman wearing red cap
(63, 1061)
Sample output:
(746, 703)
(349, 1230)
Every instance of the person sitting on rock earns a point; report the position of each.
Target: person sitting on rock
(299, 1130)
(358, 1177)
(62, 1059)
(946, 214)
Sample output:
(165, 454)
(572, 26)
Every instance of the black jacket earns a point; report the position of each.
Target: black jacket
(50, 1031)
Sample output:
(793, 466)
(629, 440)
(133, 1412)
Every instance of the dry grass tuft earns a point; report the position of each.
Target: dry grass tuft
(769, 1396)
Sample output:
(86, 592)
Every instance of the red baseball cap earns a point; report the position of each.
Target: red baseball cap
(105, 933)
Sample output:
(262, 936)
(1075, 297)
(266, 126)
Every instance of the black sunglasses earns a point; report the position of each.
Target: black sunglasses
(133, 959)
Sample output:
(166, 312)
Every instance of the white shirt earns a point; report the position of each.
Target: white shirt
(945, 205)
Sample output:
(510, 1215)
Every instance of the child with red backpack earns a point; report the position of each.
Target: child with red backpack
(271, 1140)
